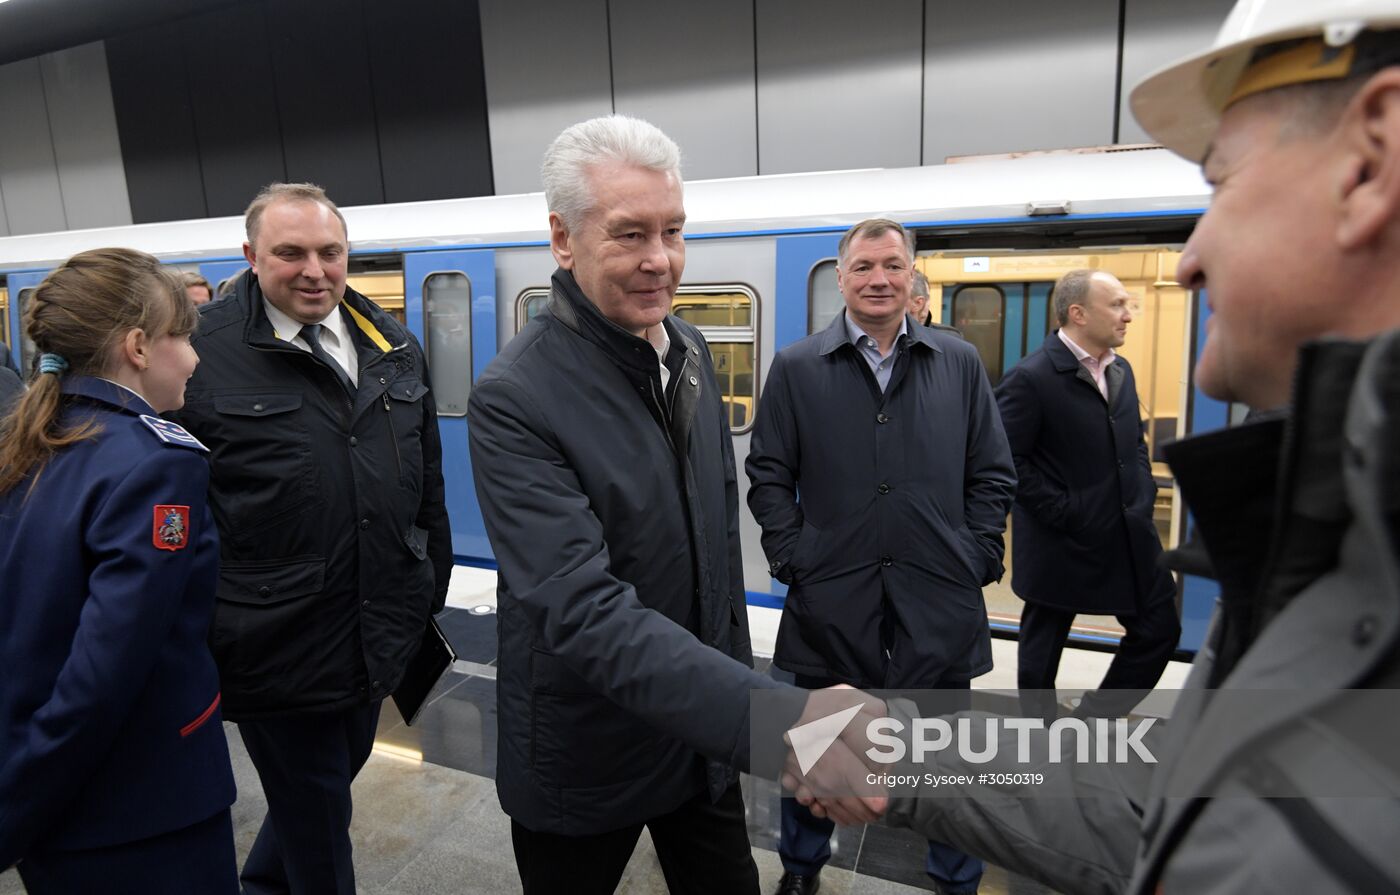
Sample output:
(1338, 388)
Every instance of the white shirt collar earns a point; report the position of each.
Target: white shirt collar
(288, 329)
(661, 341)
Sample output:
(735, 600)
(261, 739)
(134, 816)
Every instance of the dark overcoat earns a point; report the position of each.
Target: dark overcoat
(883, 511)
(613, 510)
(1083, 539)
(335, 538)
(110, 729)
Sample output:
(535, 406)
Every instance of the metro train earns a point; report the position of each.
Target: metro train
(992, 235)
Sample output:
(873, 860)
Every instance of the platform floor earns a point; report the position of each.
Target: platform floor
(427, 819)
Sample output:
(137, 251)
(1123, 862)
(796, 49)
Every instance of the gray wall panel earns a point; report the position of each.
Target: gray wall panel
(1009, 75)
(1156, 33)
(547, 67)
(697, 85)
(235, 104)
(838, 84)
(84, 127)
(28, 173)
(4, 218)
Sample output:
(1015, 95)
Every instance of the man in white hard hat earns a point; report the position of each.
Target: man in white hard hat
(1279, 770)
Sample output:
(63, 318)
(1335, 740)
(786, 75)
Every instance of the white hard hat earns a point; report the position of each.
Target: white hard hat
(1180, 105)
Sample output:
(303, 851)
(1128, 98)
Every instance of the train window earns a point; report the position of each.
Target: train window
(725, 316)
(27, 350)
(979, 313)
(528, 306)
(5, 319)
(824, 299)
(384, 288)
(447, 306)
(702, 309)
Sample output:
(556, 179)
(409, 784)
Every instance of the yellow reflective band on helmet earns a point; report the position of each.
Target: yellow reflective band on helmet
(1312, 60)
(368, 328)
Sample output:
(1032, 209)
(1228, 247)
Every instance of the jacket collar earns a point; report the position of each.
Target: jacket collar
(837, 334)
(373, 332)
(106, 392)
(571, 307)
(1268, 497)
(1061, 357)
(1064, 361)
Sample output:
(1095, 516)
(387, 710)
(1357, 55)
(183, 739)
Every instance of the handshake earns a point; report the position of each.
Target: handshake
(828, 767)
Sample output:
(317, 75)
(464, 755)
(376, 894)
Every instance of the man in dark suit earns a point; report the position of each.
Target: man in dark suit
(1084, 536)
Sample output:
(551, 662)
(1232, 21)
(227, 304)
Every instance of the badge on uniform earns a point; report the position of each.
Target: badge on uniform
(171, 528)
(172, 433)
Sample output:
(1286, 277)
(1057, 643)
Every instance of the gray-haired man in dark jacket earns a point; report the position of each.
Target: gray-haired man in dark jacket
(605, 467)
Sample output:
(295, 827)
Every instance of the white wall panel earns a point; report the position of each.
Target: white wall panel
(838, 84)
(547, 67)
(1156, 33)
(28, 173)
(1009, 75)
(695, 80)
(83, 123)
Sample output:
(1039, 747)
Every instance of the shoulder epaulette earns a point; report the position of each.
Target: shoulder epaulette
(172, 433)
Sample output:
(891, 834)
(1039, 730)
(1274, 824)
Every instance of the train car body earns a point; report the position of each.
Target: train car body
(992, 236)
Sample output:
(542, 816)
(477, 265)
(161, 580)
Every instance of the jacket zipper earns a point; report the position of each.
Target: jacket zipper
(393, 436)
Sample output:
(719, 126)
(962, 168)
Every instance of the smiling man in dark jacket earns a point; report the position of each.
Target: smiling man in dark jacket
(881, 477)
(604, 463)
(326, 484)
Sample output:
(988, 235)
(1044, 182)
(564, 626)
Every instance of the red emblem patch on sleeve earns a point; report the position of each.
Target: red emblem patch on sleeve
(171, 528)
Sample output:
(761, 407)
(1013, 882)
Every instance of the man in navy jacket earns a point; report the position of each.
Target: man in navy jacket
(1085, 540)
(890, 433)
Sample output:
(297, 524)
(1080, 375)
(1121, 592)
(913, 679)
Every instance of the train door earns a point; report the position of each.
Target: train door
(450, 305)
(21, 288)
(1002, 302)
(807, 298)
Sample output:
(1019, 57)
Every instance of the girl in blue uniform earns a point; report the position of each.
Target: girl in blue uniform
(114, 769)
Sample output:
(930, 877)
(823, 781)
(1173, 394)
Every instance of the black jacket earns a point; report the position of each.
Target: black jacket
(1085, 540)
(884, 510)
(613, 512)
(334, 532)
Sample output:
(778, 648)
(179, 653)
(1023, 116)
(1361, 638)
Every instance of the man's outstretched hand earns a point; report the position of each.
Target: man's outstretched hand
(827, 767)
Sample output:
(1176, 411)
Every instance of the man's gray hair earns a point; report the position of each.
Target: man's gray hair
(920, 285)
(873, 228)
(597, 141)
(1071, 289)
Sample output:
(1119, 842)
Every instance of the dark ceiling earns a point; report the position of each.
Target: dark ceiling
(34, 27)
